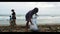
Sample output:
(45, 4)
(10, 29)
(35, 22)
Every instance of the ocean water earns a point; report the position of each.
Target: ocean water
(4, 20)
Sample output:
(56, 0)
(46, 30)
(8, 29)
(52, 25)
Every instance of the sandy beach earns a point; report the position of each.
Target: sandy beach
(19, 28)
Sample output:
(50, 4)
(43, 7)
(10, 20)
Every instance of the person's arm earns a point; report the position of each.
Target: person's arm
(36, 14)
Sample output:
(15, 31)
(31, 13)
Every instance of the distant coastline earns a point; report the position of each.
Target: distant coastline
(24, 15)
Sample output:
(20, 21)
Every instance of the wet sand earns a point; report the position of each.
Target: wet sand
(19, 28)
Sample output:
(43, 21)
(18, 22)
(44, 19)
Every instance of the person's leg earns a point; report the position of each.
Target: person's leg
(14, 21)
(31, 22)
(27, 25)
(11, 24)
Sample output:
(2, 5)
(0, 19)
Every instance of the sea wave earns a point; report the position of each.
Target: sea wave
(23, 17)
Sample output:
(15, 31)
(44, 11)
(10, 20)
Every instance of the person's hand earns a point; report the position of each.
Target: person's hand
(36, 14)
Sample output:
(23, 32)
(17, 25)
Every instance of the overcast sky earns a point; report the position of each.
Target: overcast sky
(45, 8)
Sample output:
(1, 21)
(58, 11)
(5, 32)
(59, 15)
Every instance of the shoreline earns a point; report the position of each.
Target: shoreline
(21, 28)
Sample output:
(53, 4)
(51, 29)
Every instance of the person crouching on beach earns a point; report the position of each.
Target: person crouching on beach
(29, 15)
